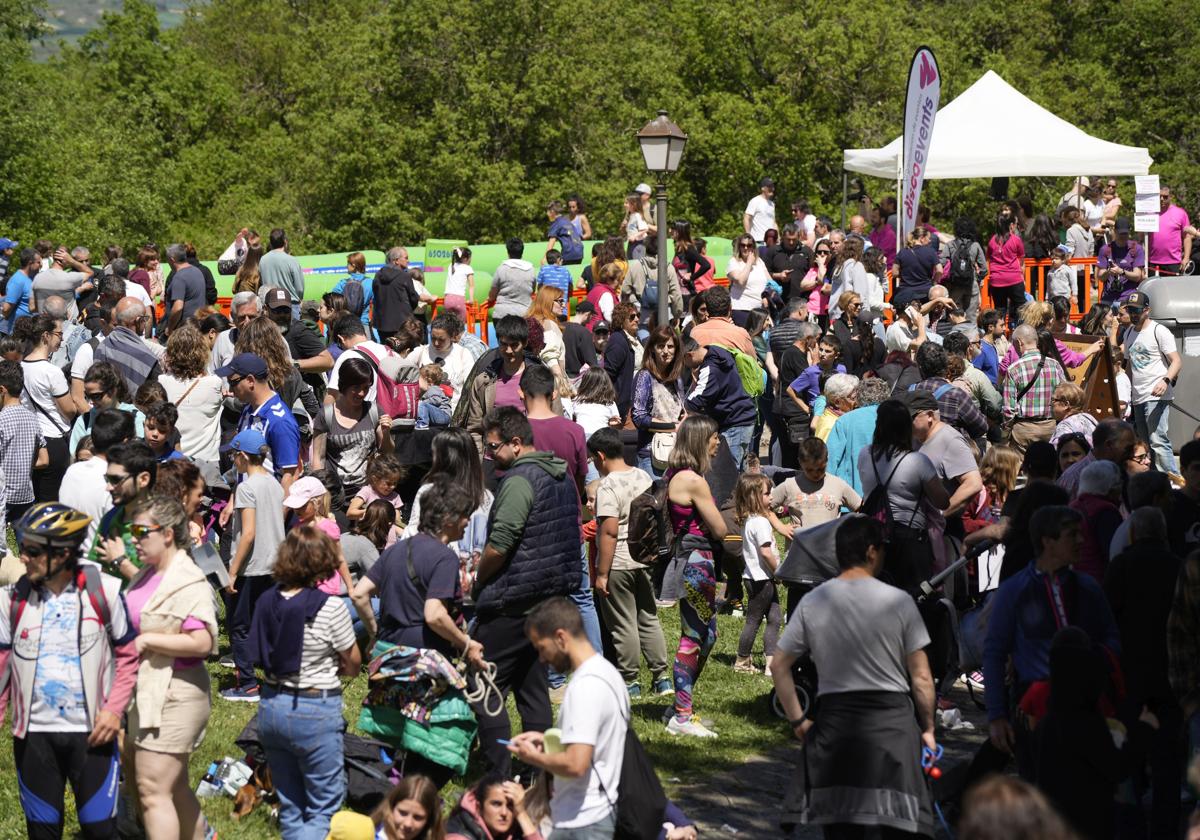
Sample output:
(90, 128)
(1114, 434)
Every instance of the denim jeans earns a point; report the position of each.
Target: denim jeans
(360, 629)
(738, 439)
(302, 737)
(587, 610)
(1150, 420)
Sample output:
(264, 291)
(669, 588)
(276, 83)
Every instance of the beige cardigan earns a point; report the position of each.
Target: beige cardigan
(183, 592)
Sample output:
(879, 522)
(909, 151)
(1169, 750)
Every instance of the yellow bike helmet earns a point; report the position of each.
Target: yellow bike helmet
(55, 523)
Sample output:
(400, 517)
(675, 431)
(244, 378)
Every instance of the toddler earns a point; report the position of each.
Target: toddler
(1060, 281)
(433, 411)
(383, 474)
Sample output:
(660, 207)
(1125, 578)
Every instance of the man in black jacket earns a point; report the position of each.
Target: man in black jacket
(395, 295)
(789, 261)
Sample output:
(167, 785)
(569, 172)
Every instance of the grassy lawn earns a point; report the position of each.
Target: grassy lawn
(735, 702)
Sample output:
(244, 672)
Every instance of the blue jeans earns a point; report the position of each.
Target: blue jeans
(738, 439)
(302, 737)
(587, 610)
(602, 830)
(1150, 420)
(360, 629)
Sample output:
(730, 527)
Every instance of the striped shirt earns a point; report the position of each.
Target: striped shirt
(20, 439)
(1035, 404)
(327, 634)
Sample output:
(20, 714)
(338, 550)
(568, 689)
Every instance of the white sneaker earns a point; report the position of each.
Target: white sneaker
(692, 726)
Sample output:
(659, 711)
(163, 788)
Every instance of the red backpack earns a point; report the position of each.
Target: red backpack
(87, 579)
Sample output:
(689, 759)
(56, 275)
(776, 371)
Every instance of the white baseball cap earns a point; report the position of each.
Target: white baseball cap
(642, 188)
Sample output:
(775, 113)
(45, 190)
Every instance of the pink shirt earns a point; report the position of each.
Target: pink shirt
(508, 392)
(333, 585)
(136, 598)
(1166, 246)
(368, 495)
(1006, 262)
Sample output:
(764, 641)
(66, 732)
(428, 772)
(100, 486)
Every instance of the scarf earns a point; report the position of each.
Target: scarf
(126, 351)
(277, 630)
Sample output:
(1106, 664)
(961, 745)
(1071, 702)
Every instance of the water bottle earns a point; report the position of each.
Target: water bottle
(209, 786)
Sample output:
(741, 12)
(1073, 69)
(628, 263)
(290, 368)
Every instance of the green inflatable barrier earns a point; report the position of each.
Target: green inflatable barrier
(323, 271)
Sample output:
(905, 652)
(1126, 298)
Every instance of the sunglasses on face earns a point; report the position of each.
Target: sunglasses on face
(34, 550)
(139, 532)
(116, 480)
(94, 396)
(1144, 458)
(234, 380)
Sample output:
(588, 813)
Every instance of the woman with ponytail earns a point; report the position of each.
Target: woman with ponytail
(460, 285)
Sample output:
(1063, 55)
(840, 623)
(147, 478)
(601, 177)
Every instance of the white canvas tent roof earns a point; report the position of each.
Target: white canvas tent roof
(993, 130)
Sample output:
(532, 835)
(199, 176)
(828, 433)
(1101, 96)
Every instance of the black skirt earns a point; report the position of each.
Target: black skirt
(862, 765)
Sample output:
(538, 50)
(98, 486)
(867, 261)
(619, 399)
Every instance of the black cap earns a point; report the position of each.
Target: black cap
(1122, 226)
(1139, 300)
(766, 182)
(918, 400)
(602, 326)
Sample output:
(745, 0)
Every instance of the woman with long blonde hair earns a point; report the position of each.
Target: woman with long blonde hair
(548, 305)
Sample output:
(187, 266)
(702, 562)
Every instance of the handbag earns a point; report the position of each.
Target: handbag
(660, 450)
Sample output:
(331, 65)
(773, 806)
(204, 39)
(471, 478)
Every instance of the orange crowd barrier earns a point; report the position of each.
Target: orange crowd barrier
(1084, 302)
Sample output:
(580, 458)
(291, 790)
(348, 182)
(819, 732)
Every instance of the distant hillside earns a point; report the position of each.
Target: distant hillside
(70, 19)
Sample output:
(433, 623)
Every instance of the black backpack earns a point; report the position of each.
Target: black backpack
(640, 802)
(962, 267)
(355, 296)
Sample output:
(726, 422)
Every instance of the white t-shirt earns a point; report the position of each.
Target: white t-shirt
(43, 384)
(137, 290)
(594, 416)
(635, 225)
(84, 357)
(456, 283)
(199, 414)
(83, 488)
(222, 351)
(756, 532)
(748, 297)
(456, 365)
(761, 211)
(1146, 351)
(594, 711)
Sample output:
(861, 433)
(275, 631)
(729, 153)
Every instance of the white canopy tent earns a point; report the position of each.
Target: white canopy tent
(992, 130)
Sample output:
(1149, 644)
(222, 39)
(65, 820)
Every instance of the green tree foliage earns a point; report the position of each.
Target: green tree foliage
(360, 123)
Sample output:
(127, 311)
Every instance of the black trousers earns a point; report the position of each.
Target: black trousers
(762, 605)
(48, 479)
(1008, 299)
(249, 590)
(517, 669)
(46, 762)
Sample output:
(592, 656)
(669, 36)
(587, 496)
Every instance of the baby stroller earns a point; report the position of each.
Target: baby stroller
(812, 560)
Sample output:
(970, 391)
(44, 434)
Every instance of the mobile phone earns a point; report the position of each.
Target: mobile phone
(504, 742)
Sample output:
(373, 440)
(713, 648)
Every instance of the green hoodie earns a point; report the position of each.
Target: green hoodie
(514, 501)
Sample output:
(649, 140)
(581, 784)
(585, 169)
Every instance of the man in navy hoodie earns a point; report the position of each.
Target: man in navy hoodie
(718, 393)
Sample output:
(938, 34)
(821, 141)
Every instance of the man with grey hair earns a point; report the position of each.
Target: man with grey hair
(396, 297)
(855, 429)
(794, 424)
(185, 291)
(1029, 391)
(245, 307)
(1140, 585)
(124, 348)
(73, 334)
(57, 280)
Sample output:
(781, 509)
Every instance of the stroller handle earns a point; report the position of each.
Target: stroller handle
(928, 587)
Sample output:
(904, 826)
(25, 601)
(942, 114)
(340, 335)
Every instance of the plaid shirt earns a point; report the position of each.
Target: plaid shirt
(956, 407)
(1036, 404)
(20, 439)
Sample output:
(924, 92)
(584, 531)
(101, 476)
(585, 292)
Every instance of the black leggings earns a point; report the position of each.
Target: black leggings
(1008, 299)
(48, 479)
(46, 762)
(762, 601)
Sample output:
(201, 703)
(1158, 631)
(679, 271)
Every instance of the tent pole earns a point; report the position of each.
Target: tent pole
(899, 199)
(845, 193)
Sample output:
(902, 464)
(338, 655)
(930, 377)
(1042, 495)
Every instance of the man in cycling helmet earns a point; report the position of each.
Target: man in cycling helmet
(68, 664)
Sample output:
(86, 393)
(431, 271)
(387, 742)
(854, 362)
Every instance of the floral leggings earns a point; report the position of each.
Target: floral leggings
(698, 628)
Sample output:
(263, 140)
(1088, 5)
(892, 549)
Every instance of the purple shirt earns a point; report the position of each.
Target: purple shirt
(1166, 246)
(808, 384)
(508, 392)
(563, 438)
(884, 238)
(1128, 258)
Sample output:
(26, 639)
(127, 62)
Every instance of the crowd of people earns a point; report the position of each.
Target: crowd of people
(326, 480)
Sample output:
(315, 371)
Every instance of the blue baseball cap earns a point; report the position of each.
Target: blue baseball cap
(247, 440)
(6, 243)
(244, 364)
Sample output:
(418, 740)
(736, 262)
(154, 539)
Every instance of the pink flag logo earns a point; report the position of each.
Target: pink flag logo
(928, 71)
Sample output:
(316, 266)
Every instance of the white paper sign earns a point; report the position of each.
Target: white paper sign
(1146, 203)
(1191, 343)
(1145, 184)
(1145, 222)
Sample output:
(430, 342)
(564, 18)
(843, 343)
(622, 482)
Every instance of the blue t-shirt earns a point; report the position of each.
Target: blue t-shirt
(368, 294)
(17, 295)
(558, 276)
(275, 422)
(569, 242)
(988, 362)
